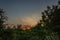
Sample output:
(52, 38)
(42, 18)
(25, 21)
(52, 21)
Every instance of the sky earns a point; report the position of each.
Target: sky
(25, 11)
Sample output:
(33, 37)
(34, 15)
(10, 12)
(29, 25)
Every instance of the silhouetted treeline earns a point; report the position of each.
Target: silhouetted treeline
(47, 29)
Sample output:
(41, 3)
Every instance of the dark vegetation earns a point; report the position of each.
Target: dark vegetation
(49, 31)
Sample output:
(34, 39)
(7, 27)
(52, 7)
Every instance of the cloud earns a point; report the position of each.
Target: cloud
(30, 20)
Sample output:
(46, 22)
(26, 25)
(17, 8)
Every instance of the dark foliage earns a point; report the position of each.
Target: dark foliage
(47, 29)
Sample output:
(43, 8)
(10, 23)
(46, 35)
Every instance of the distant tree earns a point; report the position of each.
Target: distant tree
(19, 26)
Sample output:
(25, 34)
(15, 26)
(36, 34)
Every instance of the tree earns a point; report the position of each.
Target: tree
(51, 17)
(3, 18)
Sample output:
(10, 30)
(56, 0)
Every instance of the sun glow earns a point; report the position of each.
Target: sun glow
(33, 20)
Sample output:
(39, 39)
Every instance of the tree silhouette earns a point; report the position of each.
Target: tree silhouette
(3, 18)
(51, 17)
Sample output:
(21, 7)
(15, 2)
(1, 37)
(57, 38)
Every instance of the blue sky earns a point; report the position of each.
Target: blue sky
(18, 10)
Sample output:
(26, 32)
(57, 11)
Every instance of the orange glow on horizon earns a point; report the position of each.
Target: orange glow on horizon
(32, 21)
